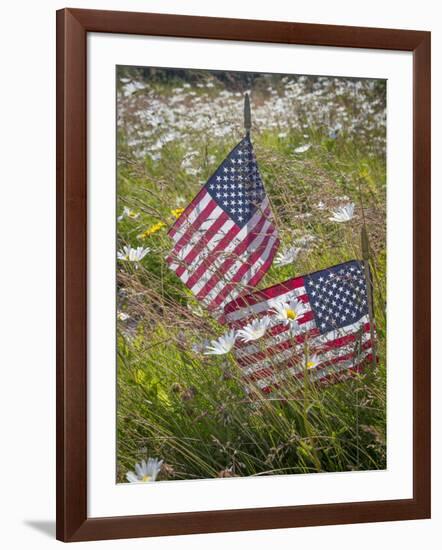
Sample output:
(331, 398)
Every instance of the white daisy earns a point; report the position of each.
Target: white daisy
(223, 345)
(287, 256)
(289, 312)
(305, 240)
(145, 471)
(121, 316)
(334, 131)
(129, 254)
(313, 361)
(343, 213)
(303, 148)
(128, 213)
(254, 330)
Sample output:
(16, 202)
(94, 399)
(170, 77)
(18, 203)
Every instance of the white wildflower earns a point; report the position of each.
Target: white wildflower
(343, 214)
(129, 254)
(303, 148)
(121, 316)
(145, 471)
(289, 312)
(305, 240)
(287, 256)
(128, 213)
(222, 345)
(254, 330)
(313, 361)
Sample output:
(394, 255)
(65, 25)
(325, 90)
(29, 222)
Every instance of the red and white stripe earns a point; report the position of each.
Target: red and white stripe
(280, 353)
(214, 257)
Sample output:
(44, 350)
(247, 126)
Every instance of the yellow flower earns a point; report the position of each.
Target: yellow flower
(363, 171)
(140, 376)
(176, 212)
(151, 230)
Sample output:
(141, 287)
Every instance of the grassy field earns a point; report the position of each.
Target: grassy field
(320, 144)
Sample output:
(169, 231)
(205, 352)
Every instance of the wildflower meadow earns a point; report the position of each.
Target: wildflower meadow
(183, 411)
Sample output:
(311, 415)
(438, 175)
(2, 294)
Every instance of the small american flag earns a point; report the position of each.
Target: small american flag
(325, 312)
(225, 240)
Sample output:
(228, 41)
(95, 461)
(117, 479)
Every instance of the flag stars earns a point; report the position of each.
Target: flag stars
(241, 183)
(338, 295)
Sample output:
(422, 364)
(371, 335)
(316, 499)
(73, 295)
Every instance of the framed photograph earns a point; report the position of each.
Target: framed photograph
(243, 274)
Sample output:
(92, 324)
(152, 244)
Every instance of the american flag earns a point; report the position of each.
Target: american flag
(225, 240)
(333, 325)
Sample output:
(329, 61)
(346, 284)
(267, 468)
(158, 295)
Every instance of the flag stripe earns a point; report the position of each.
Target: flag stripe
(239, 254)
(278, 330)
(329, 373)
(208, 264)
(245, 272)
(289, 346)
(276, 291)
(284, 339)
(265, 261)
(208, 249)
(259, 313)
(193, 230)
(210, 228)
(266, 264)
(234, 239)
(190, 214)
(266, 368)
(231, 271)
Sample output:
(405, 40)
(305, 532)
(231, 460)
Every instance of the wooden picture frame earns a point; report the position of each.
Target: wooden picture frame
(73, 523)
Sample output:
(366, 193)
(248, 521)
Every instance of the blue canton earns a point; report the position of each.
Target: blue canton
(236, 186)
(338, 296)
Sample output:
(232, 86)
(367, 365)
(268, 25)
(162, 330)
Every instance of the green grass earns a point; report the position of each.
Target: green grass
(190, 409)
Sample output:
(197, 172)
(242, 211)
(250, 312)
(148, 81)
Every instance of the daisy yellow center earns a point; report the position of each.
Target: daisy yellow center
(147, 478)
(310, 364)
(291, 314)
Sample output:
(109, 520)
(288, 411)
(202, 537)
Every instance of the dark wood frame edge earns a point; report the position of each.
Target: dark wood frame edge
(71, 507)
